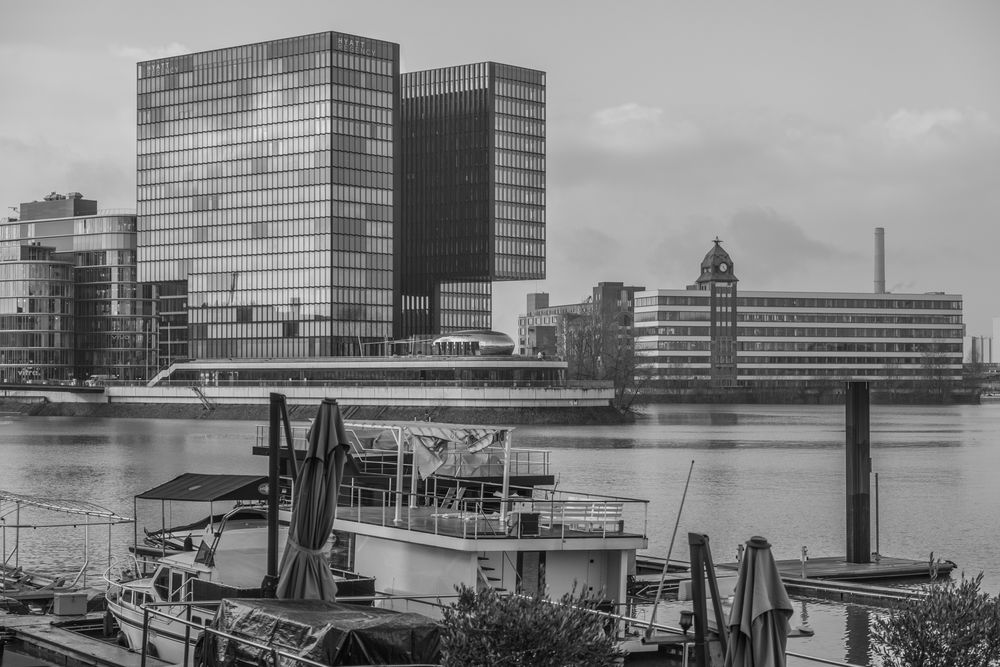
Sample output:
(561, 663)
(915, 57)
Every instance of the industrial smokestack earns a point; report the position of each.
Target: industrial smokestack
(880, 260)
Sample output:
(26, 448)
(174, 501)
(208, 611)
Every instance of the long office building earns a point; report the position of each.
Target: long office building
(473, 191)
(275, 218)
(712, 335)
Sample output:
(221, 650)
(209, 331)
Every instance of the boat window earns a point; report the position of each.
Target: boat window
(127, 596)
(176, 586)
(161, 583)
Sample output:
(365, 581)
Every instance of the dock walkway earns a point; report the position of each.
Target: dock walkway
(41, 636)
(838, 569)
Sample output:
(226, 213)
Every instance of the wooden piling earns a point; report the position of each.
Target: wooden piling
(859, 465)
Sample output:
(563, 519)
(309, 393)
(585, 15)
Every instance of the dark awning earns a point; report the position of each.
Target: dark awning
(196, 487)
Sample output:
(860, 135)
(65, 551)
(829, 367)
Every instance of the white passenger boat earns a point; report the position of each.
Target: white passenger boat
(425, 507)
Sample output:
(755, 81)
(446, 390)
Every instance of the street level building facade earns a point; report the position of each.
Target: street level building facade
(703, 336)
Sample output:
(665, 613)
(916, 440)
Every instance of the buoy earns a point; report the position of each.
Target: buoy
(109, 624)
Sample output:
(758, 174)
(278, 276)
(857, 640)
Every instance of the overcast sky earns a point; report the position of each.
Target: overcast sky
(789, 129)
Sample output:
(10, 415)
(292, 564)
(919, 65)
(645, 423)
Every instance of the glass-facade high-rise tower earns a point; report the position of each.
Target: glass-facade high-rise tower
(473, 192)
(266, 196)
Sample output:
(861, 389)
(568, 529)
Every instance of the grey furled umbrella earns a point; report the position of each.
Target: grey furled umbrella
(758, 622)
(305, 572)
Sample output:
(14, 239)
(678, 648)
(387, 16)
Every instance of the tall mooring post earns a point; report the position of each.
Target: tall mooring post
(859, 467)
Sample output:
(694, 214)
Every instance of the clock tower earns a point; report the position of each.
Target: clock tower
(718, 279)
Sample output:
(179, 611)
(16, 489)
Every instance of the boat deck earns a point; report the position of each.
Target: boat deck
(471, 525)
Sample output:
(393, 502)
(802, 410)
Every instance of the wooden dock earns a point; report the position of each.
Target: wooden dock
(48, 639)
(833, 568)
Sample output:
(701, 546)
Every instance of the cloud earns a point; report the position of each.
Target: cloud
(140, 54)
(633, 128)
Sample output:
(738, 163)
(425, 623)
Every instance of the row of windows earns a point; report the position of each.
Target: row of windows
(522, 213)
(522, 109)
(519, 160)
(258, 278)
(506, 88)
(316, 211)
(520, 142)
(36, 286)
(267, 117)
(520, 195)
(261, 133)
(789, 346)
(508, 246)
(255, 78)
(749, 374)
(231, 154)
(249, 159)
(535, 128)
(810, 332)
(833, 318)
(516, 267)
(249, 199)
(20, 356)
(269, 172)
(520, 177)
(36, 305)
(36, 322)
(310, 96)
(902, 303)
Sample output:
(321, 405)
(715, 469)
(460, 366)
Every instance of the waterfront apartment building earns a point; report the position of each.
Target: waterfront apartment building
(271, 198)
(473, 192)
(712, 335)
(97, 319)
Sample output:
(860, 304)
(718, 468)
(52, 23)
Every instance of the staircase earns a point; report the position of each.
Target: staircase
(204, 399)
(490, 573)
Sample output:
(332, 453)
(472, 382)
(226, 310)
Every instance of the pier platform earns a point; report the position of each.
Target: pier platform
(49, 639)
(835, 568)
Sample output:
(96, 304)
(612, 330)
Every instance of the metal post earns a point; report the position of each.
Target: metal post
(399, 475)
(695, 542)
(145, 636)
(273, 437)
(858, 474)
(878, 551)
(505, 491)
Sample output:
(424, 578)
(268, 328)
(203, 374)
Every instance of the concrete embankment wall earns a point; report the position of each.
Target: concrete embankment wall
(485, 405)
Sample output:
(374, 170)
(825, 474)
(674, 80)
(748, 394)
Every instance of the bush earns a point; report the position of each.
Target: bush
(486, 628)
(955, 624)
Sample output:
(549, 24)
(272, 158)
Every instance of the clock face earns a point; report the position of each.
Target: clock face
(723, 267)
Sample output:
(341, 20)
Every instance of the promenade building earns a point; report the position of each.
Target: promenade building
(271, 195)
(103, 322)
(710, 334)
(473, 192)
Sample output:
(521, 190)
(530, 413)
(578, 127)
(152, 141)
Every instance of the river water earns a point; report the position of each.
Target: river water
(776, 471)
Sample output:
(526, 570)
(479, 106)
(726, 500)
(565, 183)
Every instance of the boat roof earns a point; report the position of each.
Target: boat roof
(64, 505)
(198, 487)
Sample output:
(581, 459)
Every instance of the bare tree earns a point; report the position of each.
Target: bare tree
(599, 346)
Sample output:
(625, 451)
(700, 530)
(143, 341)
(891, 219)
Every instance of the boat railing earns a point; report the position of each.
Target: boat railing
(479, 510)
(371, 458)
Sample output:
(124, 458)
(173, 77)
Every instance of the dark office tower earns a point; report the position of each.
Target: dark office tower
(266, 203)
(473, 192)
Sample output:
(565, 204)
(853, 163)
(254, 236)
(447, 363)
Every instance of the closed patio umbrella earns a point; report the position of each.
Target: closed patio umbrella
(305, 572)
(758, 622)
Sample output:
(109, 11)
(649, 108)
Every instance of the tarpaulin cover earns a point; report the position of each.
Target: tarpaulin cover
(332, 633)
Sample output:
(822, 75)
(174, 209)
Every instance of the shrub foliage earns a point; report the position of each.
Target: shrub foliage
(955, 624)
(487, 628)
